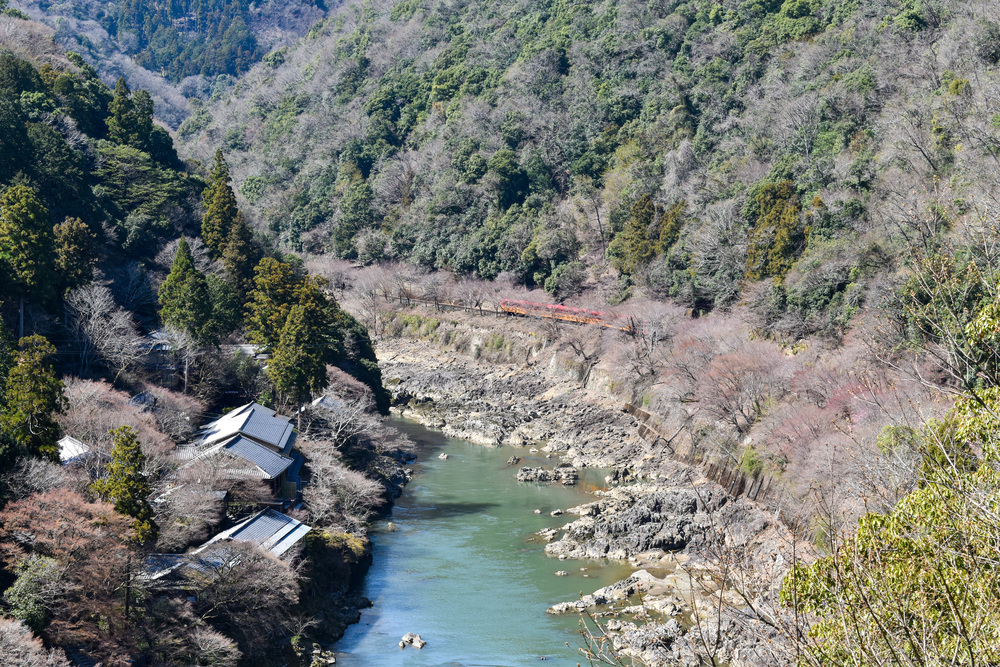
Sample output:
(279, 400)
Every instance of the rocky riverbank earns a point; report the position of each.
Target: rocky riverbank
(666, 513)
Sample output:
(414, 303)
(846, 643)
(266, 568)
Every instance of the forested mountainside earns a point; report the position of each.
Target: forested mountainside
(91, 161)
(135, 303)
(701, 147)
(174, 49)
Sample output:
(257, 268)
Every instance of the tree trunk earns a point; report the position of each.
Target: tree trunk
(20, 319)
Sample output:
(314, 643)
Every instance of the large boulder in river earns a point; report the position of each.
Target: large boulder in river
(563, 472)
(631, 521)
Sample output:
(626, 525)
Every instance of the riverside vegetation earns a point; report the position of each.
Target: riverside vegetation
(793, 198)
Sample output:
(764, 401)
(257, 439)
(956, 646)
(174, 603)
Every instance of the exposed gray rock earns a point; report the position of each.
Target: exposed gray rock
(627, 522)
(566, 474)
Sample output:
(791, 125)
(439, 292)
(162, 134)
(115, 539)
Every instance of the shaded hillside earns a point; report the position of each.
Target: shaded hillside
(174, 49)
(698, 147)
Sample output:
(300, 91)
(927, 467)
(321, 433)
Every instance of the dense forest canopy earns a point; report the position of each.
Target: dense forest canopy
(94, 197)
(699, 147)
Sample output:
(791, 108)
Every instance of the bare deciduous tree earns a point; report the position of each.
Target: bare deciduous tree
(19, 647)
(336, 494)
(103, 329)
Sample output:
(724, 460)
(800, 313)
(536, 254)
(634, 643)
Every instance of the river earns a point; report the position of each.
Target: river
(462, 570)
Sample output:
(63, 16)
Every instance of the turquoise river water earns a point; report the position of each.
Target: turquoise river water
(461, 569)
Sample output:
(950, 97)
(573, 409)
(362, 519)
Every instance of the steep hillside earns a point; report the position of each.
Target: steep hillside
(174, 49)
(784, 151)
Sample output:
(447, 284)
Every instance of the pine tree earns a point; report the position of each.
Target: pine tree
(75, 252)
(26, 245)
(239, 258)
(184, 296)
(274, 293)
(296, 367)
(219, 203)
(34, 396)
(127, 484)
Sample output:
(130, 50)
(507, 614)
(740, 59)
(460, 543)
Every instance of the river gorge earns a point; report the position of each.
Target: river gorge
(469, 556)
(458, 563)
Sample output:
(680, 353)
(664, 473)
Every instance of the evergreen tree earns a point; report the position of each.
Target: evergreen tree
(776, 237)
(297, 367)
(127, 483)
(75, 252)
(130, 118)
(321, 313)
(34, 396)
(219, 203)
(274, 293)
(239, 258)
(632, 248)
(121, 111)
(26, 245)
(185, 301)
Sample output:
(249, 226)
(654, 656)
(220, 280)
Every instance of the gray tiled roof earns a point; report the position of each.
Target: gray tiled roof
(254, 421)
(261, 528)
(268, 429)
(269, 530)
(270, 463)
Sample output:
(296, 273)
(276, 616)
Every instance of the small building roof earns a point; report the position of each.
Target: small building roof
(268, 530)
(268, 462)
(255, 422)
(264, 462)
(72, 450)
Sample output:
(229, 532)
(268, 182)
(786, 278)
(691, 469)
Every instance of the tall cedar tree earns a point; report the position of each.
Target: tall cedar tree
(297, 367)
(185, 302)
(8, 359)
(26, 246)
(239, 258)
(34, 396)
(75, 253)
(220, 207)
(130, 117)
(275, 285)
(127, 484)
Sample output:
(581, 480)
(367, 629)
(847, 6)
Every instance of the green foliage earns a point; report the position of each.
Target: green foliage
(296, 366)
(219, 204)
(187, 37)
(921, 581)
(33, 397)
(356, 214)
(632, 247)
(239, 258)
(751, 461)
(31, 593)
(511, 181)
(776, 236)
(127, 485)
(270, 301)
(185, 300)
(130, 117)
(566, 280)
(26, 242)
(75, 252)
(131, 182)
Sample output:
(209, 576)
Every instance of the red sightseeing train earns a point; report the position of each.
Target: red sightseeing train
(555, 311)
